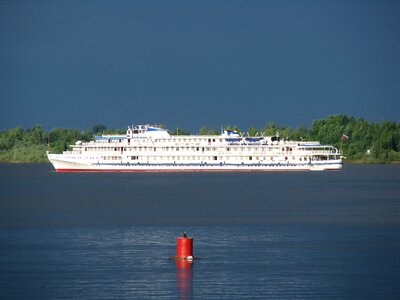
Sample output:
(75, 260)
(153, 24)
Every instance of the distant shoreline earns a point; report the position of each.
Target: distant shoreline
(362, 142)
(361, 162)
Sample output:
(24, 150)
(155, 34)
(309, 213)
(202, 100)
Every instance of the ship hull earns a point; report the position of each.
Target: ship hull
(73, 166)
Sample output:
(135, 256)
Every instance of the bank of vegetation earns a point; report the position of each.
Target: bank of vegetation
(359, 139)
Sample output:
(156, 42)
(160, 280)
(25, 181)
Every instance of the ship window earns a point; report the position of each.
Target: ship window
(215, 158)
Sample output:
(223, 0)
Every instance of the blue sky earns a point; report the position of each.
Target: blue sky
(190, 63)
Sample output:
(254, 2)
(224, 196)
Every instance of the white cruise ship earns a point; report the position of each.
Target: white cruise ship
(151, 148)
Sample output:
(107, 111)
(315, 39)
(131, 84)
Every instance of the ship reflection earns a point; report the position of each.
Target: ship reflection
(184, 275)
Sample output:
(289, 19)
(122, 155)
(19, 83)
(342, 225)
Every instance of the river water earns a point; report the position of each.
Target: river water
(257, 235)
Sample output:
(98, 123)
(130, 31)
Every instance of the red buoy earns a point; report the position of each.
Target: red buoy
(184, 247)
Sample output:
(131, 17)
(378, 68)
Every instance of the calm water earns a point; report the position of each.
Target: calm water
(300, 235)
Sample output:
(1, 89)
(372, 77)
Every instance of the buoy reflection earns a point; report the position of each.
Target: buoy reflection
(184, 275)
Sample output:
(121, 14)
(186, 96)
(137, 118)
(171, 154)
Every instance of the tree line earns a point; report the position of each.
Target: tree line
(30, 145)
(359, 139)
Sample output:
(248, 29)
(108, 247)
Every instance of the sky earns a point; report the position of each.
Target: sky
(77, 63)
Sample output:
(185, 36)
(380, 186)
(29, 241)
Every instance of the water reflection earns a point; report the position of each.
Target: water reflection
(184, 276)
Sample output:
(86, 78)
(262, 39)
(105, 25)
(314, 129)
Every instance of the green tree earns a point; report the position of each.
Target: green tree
(300, 133)
(36, 135)
(270, 129)
(5, 142)
(61, 138)
(253, 131)
(98, 129)
(206, 130)
(330, 130)
(180, 131)
(232, 128)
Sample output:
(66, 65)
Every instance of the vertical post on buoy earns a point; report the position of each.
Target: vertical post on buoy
(184, 247)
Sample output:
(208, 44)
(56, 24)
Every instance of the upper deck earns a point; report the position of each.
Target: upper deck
(149, 138)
